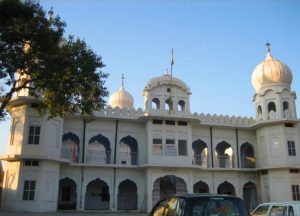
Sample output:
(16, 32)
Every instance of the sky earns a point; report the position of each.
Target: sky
(217, 44)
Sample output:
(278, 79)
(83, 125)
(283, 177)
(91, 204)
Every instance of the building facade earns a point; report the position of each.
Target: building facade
(127, 159)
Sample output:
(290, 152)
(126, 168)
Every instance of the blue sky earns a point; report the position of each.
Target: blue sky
(217, 44)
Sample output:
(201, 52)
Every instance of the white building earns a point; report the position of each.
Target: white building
(127, 159)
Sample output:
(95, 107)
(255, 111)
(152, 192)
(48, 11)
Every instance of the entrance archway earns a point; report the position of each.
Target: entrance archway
(201, 187)
(167, 185)
(226, 188)
(249, 195)
(127, 195)
(67, 195)
(97, 195)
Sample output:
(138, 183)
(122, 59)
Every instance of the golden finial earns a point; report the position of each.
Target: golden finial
(50, 14)
(268, 46)
(172, 57)
(122, 80)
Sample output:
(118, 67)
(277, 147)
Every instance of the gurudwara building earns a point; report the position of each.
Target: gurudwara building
(127, 159)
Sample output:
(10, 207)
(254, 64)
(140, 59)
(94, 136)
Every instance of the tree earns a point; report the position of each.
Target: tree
(63, 74)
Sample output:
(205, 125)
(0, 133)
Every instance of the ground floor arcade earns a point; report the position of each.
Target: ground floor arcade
(140, 189)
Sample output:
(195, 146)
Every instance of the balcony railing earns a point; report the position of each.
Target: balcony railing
(200, 160)
(247, 162)
(129, 158)
(98, 157)
(70, 154)
(224, 161)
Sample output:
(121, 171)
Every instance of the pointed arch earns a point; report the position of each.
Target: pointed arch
(247, 156)
(127, 195)
(97, 195)
(101, 140)
(168, 104)
(250, 195)
(70, 147)
(67, 194)
(271, 110)
(98, 150)
(155, 103)
(129, 152)
(200, 187)
(224, 154)
(259, 112)
(286, 110)
(226, 188)
(181, 105)
(167, 185)
(200, 153)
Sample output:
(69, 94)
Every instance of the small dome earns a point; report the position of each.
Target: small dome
(121, 99)
(165, 79)
(271, 72)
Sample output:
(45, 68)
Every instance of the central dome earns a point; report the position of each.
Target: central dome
(121, 99)
(271, 72)
(166, 79)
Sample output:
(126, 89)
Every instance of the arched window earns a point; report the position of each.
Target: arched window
(271, 107)
(285, 105)
(259, 112)
(155, 103)
(168, 104)
(286, 111)
(224, 154)
(181, 105)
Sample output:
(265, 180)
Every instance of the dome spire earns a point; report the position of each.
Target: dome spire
(122, 81)
(269, 56)
(268, 46)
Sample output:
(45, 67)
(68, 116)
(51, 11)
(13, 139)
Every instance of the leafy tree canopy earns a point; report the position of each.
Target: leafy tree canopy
(62, 73)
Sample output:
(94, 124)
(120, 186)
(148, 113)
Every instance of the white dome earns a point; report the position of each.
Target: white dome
(271, 72)
(121, 99)
(165, 79)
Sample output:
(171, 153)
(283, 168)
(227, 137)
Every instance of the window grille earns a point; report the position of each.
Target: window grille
(34, 134)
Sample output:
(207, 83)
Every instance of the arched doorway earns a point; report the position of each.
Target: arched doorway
(247, 156)
(127, 195)
(70, 147)
(67, 195)
(224, 153)
(226, 188)
(167, 185)
(128, 150)
(200, 153)
(97, 195)
(249, 195)
(200, 187)
(98, 150)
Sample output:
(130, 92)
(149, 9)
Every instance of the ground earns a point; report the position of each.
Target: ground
(72, 213)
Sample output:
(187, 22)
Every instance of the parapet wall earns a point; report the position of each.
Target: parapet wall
(226, 120)
(231, 121)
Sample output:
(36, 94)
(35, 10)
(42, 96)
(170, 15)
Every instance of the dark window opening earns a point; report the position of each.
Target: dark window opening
(157, 141)
(156, 121)
(182, 123)
(294, 170)
(289, 125)
(29, 189)
(291, 148)
(264, 172)
(296, 192)
(271, 107)
(182, 147)
(34, 135)
(155, 103)
(31, 163)
(170, 141)
(170, 122)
